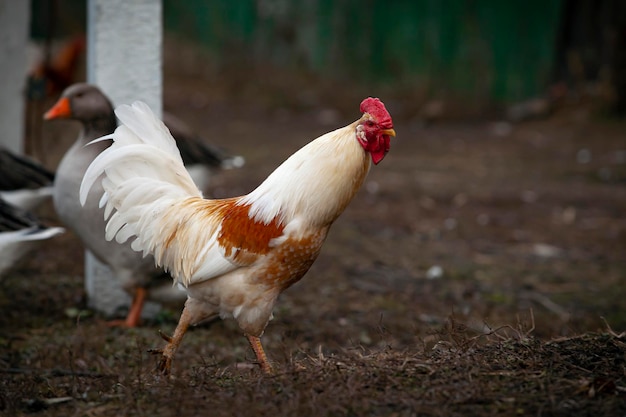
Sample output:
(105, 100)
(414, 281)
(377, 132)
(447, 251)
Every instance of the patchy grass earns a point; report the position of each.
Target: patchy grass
(506, 372)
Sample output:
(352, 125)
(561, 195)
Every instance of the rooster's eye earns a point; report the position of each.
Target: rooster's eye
(369, 123)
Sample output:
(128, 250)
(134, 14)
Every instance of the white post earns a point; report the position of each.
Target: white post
(124, 58)
(14, 34)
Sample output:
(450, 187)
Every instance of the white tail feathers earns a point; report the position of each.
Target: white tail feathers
(143, 175)
(142, 147)
(144, 127)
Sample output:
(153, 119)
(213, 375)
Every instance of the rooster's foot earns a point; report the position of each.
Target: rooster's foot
(165, 362)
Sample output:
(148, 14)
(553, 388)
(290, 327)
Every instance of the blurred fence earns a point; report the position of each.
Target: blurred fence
(487, 50)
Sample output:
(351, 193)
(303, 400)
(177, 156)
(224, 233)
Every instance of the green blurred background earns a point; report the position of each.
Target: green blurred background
(478, 52)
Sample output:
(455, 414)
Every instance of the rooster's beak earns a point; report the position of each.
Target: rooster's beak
(389, 132)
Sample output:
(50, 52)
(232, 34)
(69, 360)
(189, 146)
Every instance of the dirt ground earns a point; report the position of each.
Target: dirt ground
(480, 271)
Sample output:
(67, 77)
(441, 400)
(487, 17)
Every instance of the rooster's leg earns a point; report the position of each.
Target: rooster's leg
(173, 342)
(261, 357)
(134, 314)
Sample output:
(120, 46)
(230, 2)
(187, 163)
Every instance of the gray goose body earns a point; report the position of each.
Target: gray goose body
(89, 106)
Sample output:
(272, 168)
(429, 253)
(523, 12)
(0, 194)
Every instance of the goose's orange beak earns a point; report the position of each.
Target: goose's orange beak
(61, 110)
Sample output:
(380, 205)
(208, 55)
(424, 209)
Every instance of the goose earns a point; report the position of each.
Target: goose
(20, 232)
(24, 182)
(136, 274)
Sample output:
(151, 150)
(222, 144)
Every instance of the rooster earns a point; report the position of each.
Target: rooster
(232, 256)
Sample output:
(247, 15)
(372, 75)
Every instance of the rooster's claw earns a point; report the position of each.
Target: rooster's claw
(165, 362)
(165, 337)
(164, 365)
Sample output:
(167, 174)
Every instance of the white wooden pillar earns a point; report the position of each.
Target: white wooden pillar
(14, 34)
(124, 58)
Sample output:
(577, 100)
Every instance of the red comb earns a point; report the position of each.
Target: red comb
(377, 109)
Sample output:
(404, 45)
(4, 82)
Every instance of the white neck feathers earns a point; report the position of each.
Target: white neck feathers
(315, 183)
